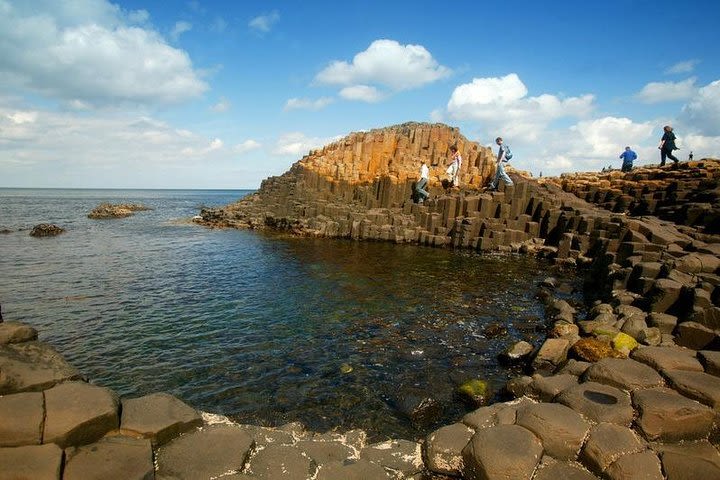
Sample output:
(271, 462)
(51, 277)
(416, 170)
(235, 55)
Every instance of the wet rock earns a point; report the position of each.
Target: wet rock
(46, 230)
(517, 352)
(636, 465)
(690, 461)
(418, 406)
(699, 386)
(354, 470)
(36, 462)
(502, 452)
(560, 306)
(552, 353)
(666, 416)
(599, 403)
(694, 335)
(495, 330)
(546, 389)
(623, 373)
(325, 452)
(443, 449)
(281, 461)
(21, 419)
(518, 386)
(560, 429)
(475, 392)
(262, 436)
(550, 283)
(606, 443)
(592, 350)
(664, 359)
(32, 366)
(159, 417)
(16, 332)
(78, 413)
(112, 458)
(564, 330)
(209, 452)
(121, 210)
(401, 456)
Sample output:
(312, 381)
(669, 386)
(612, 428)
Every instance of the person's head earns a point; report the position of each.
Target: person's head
(499, 140)
(667, 128)
(453, 149)
(627, 149)
(422, 161)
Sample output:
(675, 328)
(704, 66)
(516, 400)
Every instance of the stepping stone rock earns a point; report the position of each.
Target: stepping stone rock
(402, 456)
(593, 350)
(502, 452)
(112, 458)
(694, 335)
(711, 361)
(209, 452)
(551, 354)
(561, 430)
(265, 435)
(21, 419)
(325, 452)
(690, 461)
(36, 462)
(159, 417)
(78, 413)
(546, 389)
(16, 332)
(443, 449)
(32, 367)
(599, 403)
(357, 470)
(575, 367)
(664, 359)
(623, 373)
(606, 443)
(664, 322)
(643, 465)
(699, 386)
(667, 416)
(563, 471)
(281, 462)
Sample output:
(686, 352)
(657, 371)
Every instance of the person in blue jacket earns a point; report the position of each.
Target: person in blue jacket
(628, 156)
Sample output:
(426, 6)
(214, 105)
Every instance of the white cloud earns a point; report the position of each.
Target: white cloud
(88, 52)
(657, 92)
(307, 104)
(223, 105)
(246, 146)
(264, 23)
(702, 112)
(362, 93)
(682, 67)
(387, 63)
(179, 29)
(298, 144)
(437, 115)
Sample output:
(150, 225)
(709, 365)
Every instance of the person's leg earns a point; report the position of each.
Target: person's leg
(496, 181)
(671, 156)
(420, 189)
(504, 175)
(662, 156)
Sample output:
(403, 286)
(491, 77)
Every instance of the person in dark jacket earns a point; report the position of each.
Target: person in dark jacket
(627, 157)
(667, 145)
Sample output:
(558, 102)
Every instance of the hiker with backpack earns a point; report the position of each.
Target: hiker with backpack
(504, 155)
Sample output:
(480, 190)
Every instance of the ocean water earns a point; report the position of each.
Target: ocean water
(264, 328)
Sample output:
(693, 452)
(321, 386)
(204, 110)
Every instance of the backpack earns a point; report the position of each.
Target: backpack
(508, 153)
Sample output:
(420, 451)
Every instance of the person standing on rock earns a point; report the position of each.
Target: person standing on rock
(667, 145)
(422, 182)
(627, 157)
(454, 168)
(500, 171)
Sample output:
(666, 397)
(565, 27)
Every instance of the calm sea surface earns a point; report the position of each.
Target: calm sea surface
(262, 328)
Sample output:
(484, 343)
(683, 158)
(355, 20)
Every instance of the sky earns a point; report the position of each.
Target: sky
(222, 94)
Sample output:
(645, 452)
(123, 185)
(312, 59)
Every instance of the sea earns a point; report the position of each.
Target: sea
(264, 328)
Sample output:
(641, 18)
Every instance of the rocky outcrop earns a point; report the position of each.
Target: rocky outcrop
(120, 210)
(46, 230)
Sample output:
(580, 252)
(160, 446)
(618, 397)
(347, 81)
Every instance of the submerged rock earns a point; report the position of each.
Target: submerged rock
(121, 210)
(476, 392)
(46, 230)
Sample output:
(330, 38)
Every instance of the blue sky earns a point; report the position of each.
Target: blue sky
(221, 94)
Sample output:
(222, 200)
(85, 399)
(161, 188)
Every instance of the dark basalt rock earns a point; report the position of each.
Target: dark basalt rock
(46, 230)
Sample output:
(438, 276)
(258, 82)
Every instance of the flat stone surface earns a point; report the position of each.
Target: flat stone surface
(16, 332)
(357, 470)
(690, 461)
(663, 359)
(281, 462)
(599, 403)
(502, 452)
(205, 453)
(694, 335)
(400, 455)
(551, 354)
(325, 452)
(666, 323)
(159, 417)
(574, 367)
(606, 443)
(21, 419)
(635, 466)
(78, 413)
(112, 458)
(711, 361)
(563, 471)
(623, 373)
(699, 386)
(34, 462)
(443, 449)
(496, 414)
(546, 389)
(560, 429)
(665, 415)
(266, 436)
(32, 367)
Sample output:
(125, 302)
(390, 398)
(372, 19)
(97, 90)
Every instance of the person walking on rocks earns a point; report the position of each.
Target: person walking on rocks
(500, 171)
(627, 157)
(453, 170)
(421, 184)
(667, 145)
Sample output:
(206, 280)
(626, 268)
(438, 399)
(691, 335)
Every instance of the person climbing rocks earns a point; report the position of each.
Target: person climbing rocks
(421, 184)
(627, 157)
(500, 171)
(453, 170)
(667, 145)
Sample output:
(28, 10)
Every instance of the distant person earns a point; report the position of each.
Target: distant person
(500, 171)
(690, 157)
(667, 145)
(453, 170)
(628, 156)
(422, 182)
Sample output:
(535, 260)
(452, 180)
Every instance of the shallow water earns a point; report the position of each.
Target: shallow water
(262, 328)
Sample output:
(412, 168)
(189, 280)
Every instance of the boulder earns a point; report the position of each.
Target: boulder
(699, 386)
(663, 294)
(517, 352)
(551, 354)
(401, 456)
(644, 465)
(32, 367)
(694, 335)
(46, 230)
(560, 429)
(624, 344)
(16, 332)
(665, 322)
(476, 392)
(606, 443)
(417, 405)
(33, 462)
(21, 419)
(77, 413)
(112, 458)
(159, 417)
(626, 374)
(502, 452)
(599, 403)
(663, 359)
(666, 416)
(592, 350)
(121, 210)
(281, 461)
(518, 386)
(690, 461)
(443, 449)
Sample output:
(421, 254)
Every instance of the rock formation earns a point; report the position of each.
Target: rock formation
(46, 230)
(121, 210)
